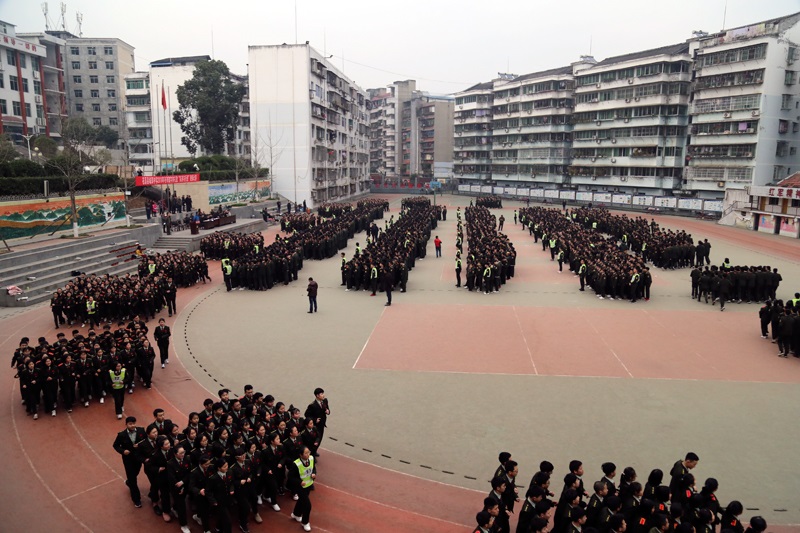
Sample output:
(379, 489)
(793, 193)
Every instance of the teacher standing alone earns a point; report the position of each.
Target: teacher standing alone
(312, 295)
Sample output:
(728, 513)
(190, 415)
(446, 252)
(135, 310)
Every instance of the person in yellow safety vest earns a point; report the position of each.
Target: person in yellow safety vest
(644, 251)
(634, 286)
(344, 270)
(553, 243)
(301, 480)
(358, 250)
(726, 265)
(560, 261)
(227, 243)
(151, 267)
(227, 270)
(91, 310)
(118, 388)
(544, 241)
(373, 278)
(487, 279)
(594, 225)
(458, 269)
(582, 274)
(257, 249)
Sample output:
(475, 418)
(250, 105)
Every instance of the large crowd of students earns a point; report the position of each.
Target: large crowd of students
(491, 256)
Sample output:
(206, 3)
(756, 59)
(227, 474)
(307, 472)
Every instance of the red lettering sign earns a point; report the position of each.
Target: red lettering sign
(147, 181)
(788, 193)
(780, 193)
(771, 192)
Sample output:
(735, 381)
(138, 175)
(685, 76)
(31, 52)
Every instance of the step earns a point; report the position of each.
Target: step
(36, 297)
(59, 248)
(52, 280)
(13, 275)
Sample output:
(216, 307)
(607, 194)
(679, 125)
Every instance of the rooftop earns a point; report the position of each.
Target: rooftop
(560, 71)
(185, 60)
(792, 181)
(486, 86)
(670, 50)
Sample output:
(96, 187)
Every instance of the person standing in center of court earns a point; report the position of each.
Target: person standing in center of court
(458, 269)
(387, 281)
(312, 295)
(437, 242)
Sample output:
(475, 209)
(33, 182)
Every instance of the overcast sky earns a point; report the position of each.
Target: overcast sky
(445, 45)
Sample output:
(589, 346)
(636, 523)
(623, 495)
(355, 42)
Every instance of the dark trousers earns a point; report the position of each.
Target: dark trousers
(163, 350)
(227, 282)
(764, 328)
(223, 519)
(647, 292)
(458, 277)
(119, 399)
(170, 304)
(303, 506)
(312, 304)
(389, 296)
(58, 318)
(132, 468)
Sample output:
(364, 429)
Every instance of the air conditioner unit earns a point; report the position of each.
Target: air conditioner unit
(613, 160)
(458, 133)
(598, 141)
(627, 119)
(637, 98)
(754, 113)
(614, 140)
(519, 129)
(594, 159)
(630, 81)
(720, 184)
(508, 99)
(506, 130)
(598, 85)
(726, 115)
(38, 99)
(461, 107)
(530, 111)
(627, 100)
(599, 123)
(40, 121)
(36, 74)
(594, 178)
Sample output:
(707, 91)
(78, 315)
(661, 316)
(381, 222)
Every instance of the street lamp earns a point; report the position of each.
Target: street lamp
(28, 140)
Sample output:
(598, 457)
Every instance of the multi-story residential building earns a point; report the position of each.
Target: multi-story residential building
(311, 122)
(138, 120)
(427, 137)
(51, 75)
(23, 100)
(166, 75)
(95, 70)
(241, 146)
(532, 128)
(472, 144)
(384, 105)
(631, 121)
(746, 107)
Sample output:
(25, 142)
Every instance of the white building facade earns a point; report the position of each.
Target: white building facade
(309, 124)
(472, 144)
(746, 107)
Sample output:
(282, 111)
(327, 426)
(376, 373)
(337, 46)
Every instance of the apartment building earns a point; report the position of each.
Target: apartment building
(138, 120)
(311, 121)
(23, 79)
(532, 128)
(426, 138)
(94, 73)
(472, 144)
(745, 113)
(631, 121)
(385, 106)
(51, 76)
(241, 145)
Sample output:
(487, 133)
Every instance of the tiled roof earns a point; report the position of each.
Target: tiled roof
(791, 181)
(671, 50)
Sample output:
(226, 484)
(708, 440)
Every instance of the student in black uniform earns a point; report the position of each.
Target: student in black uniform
(127, 445)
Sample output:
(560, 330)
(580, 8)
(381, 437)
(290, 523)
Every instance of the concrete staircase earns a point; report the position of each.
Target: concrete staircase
(41, 271)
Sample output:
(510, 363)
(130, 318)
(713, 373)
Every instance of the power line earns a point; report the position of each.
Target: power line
(400, 74)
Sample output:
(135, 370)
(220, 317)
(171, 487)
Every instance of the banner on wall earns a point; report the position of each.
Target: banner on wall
(642, 200)
(148, 181)
(584, 196)
(226, 193)
(713, 205)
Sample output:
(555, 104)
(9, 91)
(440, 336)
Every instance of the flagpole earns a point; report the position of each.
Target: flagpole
(164, 111)
(158, 131)
(169, 114)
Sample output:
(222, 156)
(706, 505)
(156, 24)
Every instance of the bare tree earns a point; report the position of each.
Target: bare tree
(266, 151)
(241, 169)
(79, 150)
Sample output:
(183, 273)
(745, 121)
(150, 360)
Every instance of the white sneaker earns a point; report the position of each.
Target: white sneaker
(119, 417)
(259, 500)
(295, 497)
(167, 361)
(307, 527)
(197, 519)
(276, 507)
(298, 518)
(163, 365)
(102, 400)
(36, 417)
(185, 529)
(53, 413)
(86, 404)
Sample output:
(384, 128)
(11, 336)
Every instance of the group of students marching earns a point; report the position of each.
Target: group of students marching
(230, 458)
(615, 505)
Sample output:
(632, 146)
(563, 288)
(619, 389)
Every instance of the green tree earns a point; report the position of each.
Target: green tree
(7, 150)
(209, 108)
(47, 146)
(106, 136)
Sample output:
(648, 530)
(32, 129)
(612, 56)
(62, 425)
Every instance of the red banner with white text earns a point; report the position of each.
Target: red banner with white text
(147, 181)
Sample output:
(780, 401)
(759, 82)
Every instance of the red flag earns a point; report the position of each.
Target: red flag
(163, 98)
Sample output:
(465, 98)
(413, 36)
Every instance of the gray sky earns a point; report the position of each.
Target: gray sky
(445, 45)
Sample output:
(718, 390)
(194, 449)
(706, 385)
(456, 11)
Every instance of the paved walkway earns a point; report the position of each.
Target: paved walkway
(425, 393)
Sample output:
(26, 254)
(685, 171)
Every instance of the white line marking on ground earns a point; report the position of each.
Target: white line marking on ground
(608, 346)
(530, 355)
(369, 338)
(88, 490)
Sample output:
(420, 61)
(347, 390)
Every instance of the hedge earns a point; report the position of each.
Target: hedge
(30, 186)
(225, 175)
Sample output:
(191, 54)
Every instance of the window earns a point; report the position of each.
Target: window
(34, 63)
(108, 50)
(24, 85)
(113, 121)
(136, 84)
(95, 93)
(79, 108)
(91, 50)
(138, 100)
(22, 61)
(783, 126)
(73, 50)
(28, 110)
(2, 81)
(786, 101)
(92, 65)
(16, 108)
(13, 83)
(109, 65)
(78, 93)
(773, 201)
(96, 108)
(112, 107)
(111, 93)
(96, 121)
(141, 116)
(11, 57)
(3, 107)
(76, 65)
(37, 87)
(790, 78)
(111, 79)
(94, 79)
(76, 79)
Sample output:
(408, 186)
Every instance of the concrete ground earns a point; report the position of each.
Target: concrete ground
(436, 385)
(425, 393)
